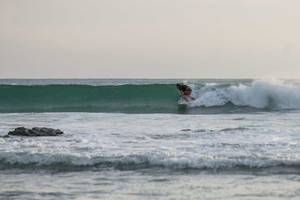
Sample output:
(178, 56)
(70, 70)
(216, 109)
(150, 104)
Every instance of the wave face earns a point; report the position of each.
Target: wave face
(149, 98)
(86, 98)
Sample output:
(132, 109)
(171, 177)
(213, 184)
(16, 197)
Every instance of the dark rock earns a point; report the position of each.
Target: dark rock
(36, 131)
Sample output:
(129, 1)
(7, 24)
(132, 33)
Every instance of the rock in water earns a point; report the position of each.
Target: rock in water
(36, 131)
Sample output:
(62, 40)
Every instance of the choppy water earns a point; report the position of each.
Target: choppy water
(251, 153)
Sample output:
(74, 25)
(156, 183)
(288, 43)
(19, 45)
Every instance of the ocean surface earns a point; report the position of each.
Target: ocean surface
(129, 139)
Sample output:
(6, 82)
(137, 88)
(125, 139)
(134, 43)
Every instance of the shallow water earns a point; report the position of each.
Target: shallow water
(109, 184)
(152, 156)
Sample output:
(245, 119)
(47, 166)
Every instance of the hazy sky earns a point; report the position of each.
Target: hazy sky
(149, 38)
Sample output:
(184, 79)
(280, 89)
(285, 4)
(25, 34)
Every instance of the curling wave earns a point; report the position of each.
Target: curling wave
(150, 98)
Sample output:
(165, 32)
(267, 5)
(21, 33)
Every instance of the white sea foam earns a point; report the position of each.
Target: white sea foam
(149, 160)
(259, 94)
(136, 141)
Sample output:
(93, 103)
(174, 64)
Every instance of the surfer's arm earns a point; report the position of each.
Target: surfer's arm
(187, 98)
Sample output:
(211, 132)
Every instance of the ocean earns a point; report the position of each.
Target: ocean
(129, 139)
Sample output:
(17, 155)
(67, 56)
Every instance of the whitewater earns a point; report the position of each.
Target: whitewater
(127, 139)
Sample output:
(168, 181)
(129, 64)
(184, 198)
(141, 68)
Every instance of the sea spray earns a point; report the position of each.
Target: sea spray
(258, 94)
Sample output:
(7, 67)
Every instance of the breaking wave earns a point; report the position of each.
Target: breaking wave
(150, 98)
(257, 94)
(12, 160)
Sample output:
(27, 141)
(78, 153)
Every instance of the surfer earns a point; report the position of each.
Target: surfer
(185, 91)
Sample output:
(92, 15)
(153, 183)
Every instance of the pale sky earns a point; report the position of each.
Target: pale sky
(149, 39)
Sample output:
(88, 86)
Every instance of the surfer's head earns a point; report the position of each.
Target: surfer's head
(184, 89)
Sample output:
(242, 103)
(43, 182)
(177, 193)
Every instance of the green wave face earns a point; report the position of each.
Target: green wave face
(153, 98)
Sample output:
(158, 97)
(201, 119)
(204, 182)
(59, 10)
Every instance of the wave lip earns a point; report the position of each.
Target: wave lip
(135, 162)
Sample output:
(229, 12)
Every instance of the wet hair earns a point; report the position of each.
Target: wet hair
(182, 87)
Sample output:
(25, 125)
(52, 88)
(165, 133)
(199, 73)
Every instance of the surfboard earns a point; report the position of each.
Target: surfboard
(182, 104)
(182, 101)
